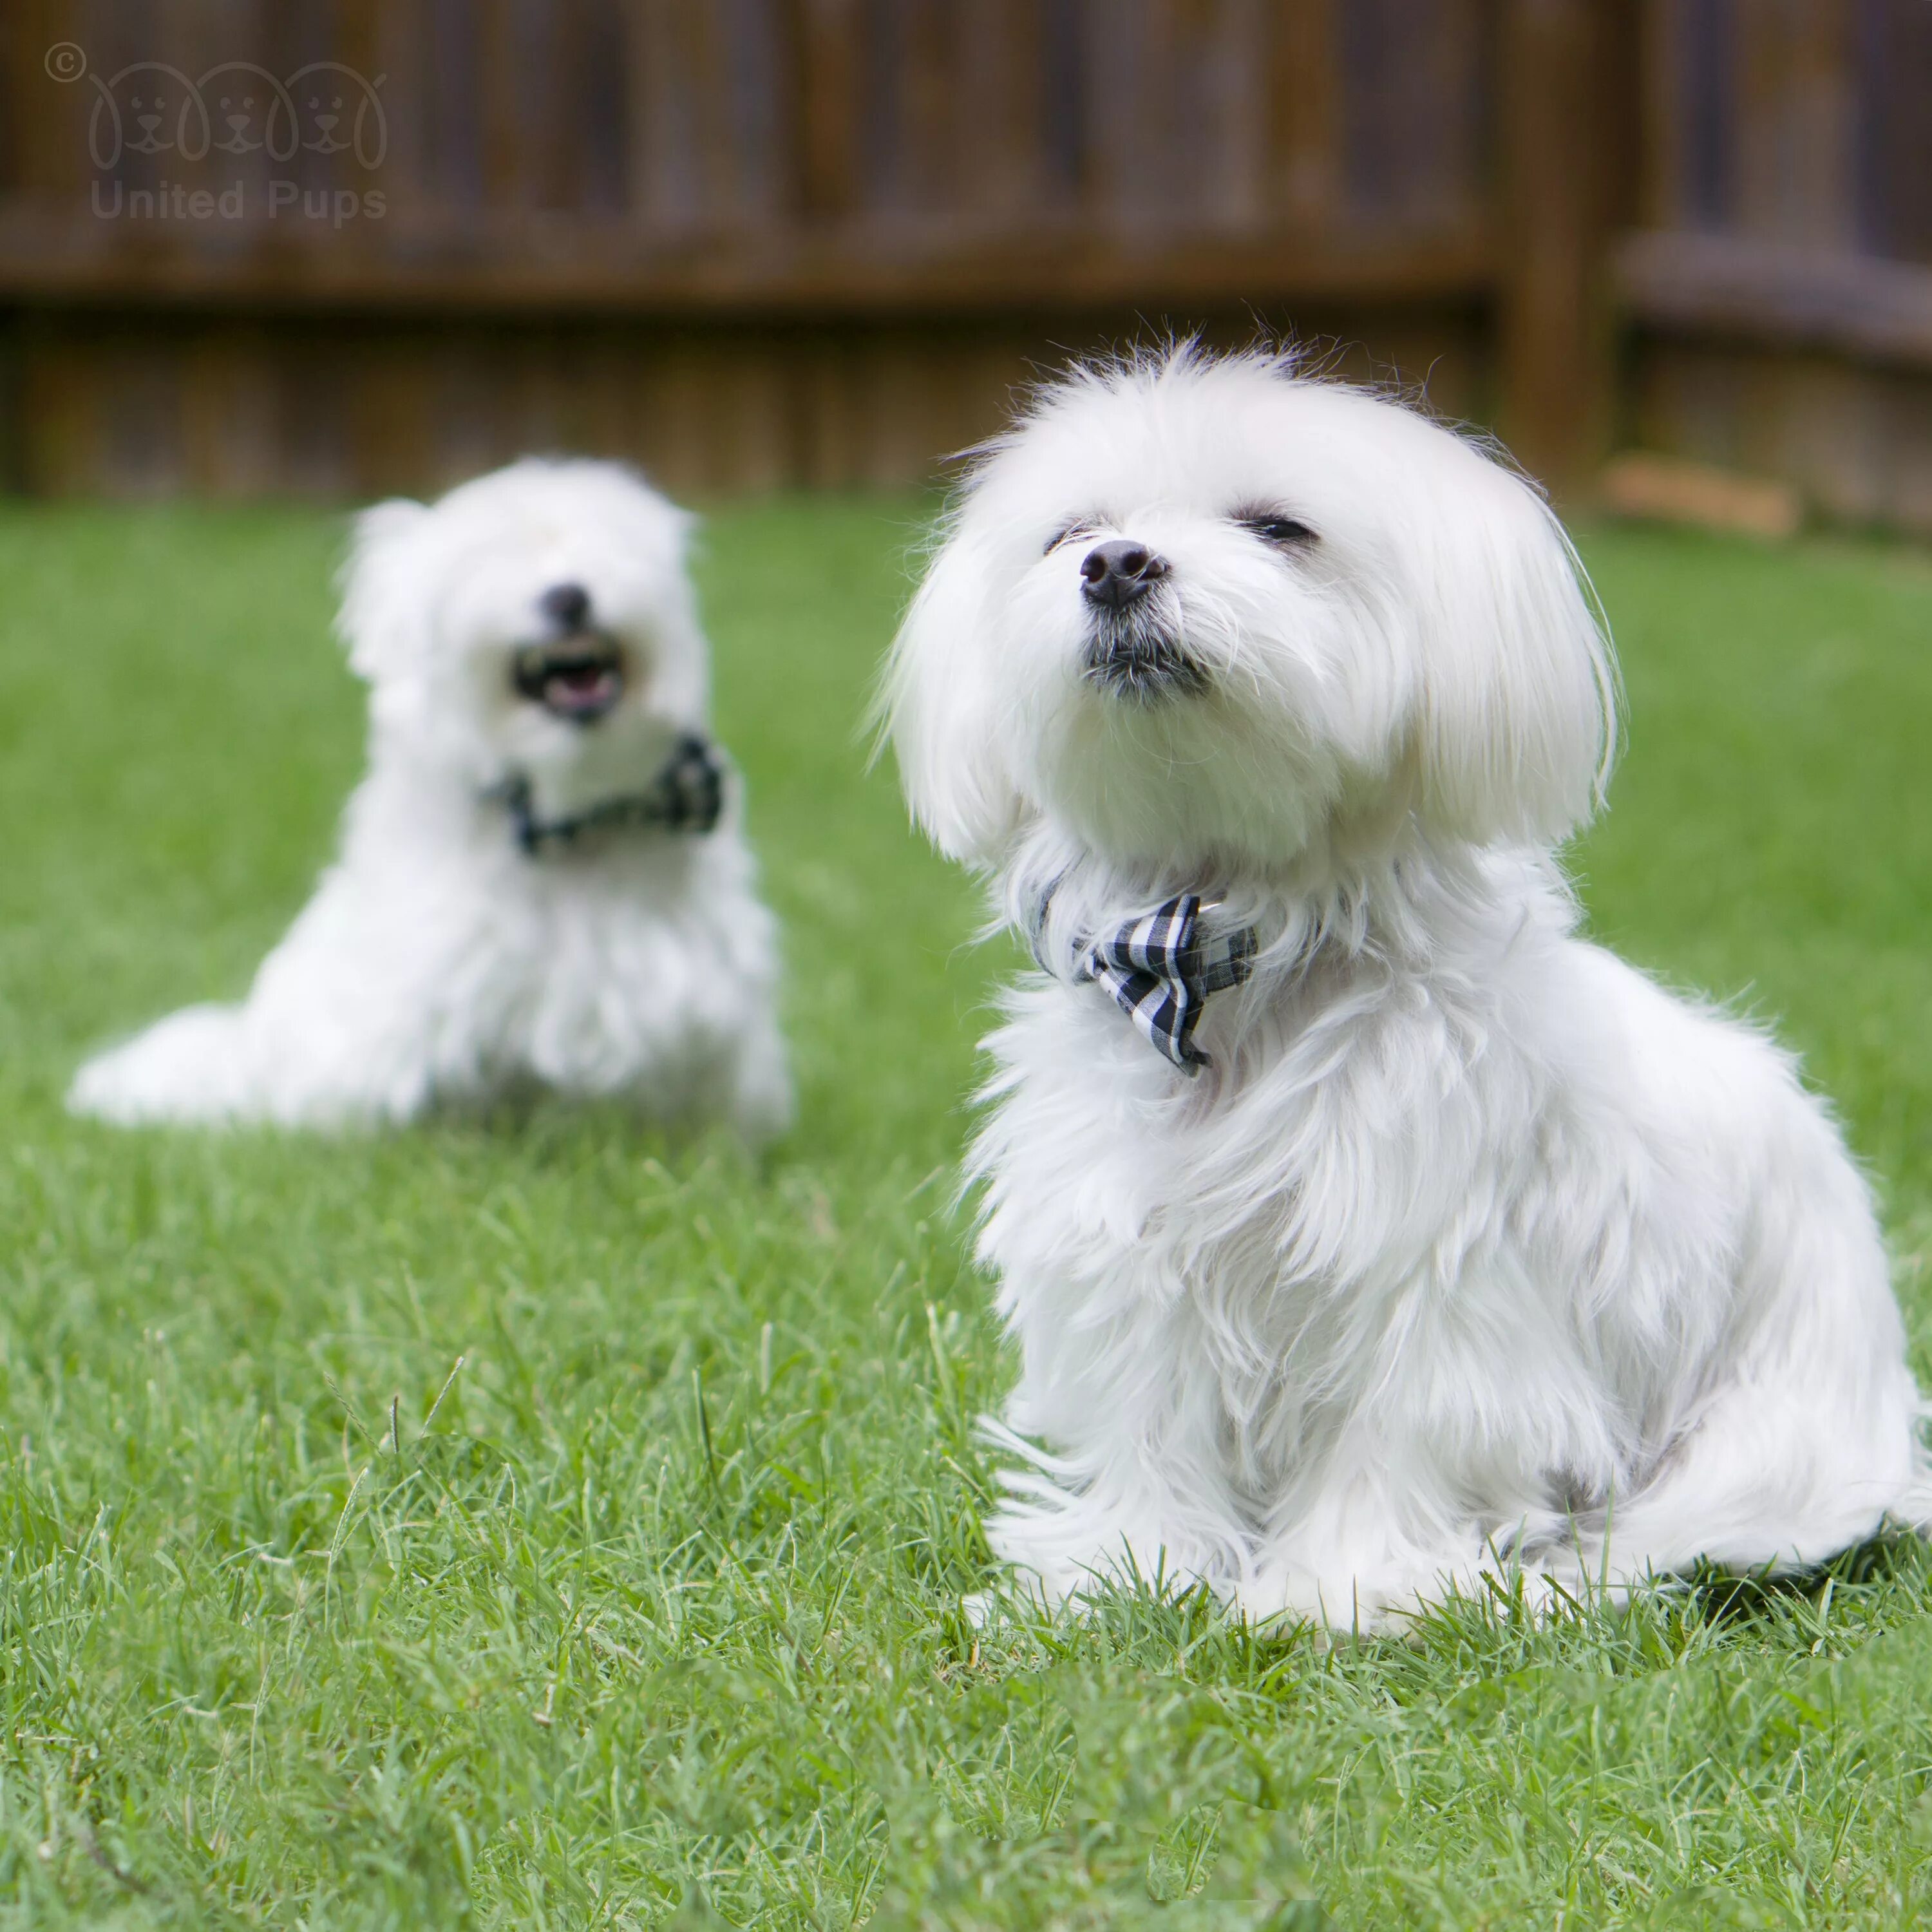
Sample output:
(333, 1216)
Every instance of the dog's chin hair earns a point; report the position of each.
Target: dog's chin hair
(1139, 655)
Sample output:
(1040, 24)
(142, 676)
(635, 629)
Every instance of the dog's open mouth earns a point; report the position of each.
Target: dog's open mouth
(1135, 655)
(580, 680)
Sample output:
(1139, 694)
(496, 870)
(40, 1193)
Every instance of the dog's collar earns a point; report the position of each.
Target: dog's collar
(1161, 967)
(687, 795)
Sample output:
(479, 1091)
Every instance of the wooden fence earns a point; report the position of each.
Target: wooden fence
(755, 243)
(752, 242)
(1778, 296)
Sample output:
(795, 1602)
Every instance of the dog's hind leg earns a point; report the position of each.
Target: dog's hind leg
(1797, 1434)
(194, 1066)
(1768, 1479)
(1811, 1441)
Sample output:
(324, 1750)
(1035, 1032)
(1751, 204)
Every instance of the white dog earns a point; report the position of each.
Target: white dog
(1362, 1228)
(542, 881)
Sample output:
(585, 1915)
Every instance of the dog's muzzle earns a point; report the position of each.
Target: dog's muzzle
(1137, 655)
(579, 679)
(1134, 649)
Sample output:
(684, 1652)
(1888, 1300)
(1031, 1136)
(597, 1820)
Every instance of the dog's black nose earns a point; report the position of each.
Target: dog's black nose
(1117, 571)
(566, 605)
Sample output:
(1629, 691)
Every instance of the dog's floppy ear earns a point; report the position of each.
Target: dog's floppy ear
(1519, 720)
(382, 611)
(940, 704)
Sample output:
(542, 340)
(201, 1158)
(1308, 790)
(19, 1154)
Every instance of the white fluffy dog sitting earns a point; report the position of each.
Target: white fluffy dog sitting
(541, 882)
(1363, 1227)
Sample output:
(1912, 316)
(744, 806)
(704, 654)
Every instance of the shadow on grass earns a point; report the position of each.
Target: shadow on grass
(1184, 1630)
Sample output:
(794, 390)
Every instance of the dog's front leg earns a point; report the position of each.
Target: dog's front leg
(1362, 1550)
(1137, 1491)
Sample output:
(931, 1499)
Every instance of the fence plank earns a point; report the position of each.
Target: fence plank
(1663, 193)
(1303, 88)
(1893, 65)
(1554, 406)
(1818, 175)
(1002, 170)
(43, 113)
(1758, 68)
(829, 64)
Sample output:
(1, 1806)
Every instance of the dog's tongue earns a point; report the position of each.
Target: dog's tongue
(581, 687)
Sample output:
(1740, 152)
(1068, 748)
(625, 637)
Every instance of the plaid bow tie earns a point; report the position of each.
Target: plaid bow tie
(687, 795)
(1161, 970)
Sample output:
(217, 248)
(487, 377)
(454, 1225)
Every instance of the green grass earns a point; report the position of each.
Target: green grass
(658, 1616)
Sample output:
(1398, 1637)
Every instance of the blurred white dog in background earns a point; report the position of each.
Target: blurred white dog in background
(542, 881)
(1363, 1229)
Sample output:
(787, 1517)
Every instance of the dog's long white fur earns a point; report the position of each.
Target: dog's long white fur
(1473, 1245)
(438, 963)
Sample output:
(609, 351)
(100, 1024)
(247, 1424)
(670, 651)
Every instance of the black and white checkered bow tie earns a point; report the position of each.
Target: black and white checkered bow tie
(1161, 968)
(687, 795)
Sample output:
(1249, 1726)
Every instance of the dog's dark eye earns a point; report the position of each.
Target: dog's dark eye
(1284, 533)
(1082, 526)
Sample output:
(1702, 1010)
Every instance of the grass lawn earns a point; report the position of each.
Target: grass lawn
(538, 1524)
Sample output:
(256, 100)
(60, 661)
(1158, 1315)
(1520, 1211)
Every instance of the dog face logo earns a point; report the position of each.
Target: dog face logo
(336, 112)
(238, 126)
(325, 142)
(148, 108)
(237, 108)
(149, 142)
(249, 111)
